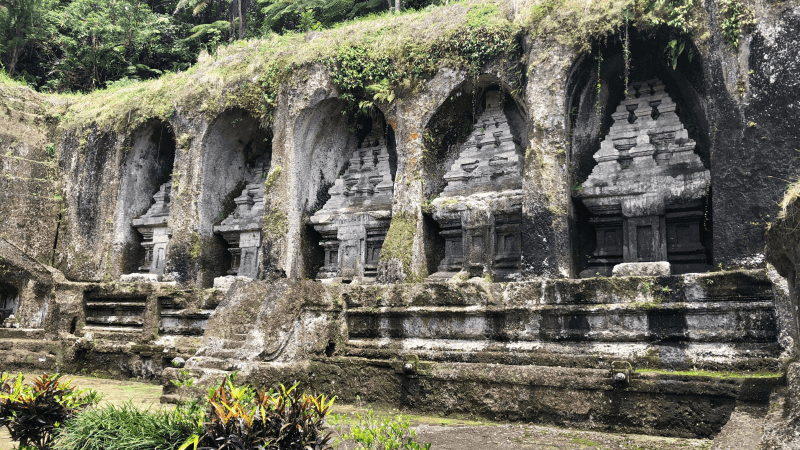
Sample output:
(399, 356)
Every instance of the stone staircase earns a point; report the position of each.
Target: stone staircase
(27, 349)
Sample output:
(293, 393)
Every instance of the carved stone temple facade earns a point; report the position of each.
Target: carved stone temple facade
(354, 221)
(155, 236)
(647, 191)
(480, 209)
(242, 228)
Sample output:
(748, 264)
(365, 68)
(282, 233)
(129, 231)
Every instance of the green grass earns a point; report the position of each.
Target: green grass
(127, 427)
(705, 373)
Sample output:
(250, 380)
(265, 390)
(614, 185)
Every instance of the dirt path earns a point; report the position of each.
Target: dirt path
(443, 433)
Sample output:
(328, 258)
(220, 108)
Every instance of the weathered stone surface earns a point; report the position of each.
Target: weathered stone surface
(649, 269)
(140, 278)
(647, 189)
(480, 208)
(30, 186)
(226, 283)
(354, 221)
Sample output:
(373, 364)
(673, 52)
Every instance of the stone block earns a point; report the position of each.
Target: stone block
(140, 278)
(643, 269)
(225, 283)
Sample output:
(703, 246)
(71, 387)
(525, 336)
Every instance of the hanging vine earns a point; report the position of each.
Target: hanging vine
(599, 85)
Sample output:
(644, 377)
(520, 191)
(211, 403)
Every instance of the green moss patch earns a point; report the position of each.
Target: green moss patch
(399, 241)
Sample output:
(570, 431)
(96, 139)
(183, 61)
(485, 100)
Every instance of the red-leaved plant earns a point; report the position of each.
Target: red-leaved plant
(241, 418)
(33, 411)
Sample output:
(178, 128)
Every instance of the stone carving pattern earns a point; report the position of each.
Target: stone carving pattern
(242, 228)
(354, 221)
(480, 208)
(153, 227)
(647, 189)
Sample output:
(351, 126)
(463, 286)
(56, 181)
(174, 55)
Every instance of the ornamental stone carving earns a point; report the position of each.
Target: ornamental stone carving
(153, 227)
(354, 221)
(480, 208)
(242, 228)
(647, 191)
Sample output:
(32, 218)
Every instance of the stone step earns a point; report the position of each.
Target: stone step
(716, 287)
(236, 341)
(740, 322)
(21, 333)
(32, 355)
(743, 430)
(669, 355)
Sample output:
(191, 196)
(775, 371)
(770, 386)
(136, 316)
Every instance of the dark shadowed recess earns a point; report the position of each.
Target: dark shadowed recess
(234, 147)
(589, 117)
(148, 165)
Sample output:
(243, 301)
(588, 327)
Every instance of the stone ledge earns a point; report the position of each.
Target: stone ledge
(654, 403)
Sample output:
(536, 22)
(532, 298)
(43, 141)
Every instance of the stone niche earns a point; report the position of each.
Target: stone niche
(155, 236)
(480, 209)
(353, 223)
(242, 228)
(647, 191)
(9, 301)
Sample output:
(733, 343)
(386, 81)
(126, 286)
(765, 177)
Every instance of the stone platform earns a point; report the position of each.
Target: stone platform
(540, 350)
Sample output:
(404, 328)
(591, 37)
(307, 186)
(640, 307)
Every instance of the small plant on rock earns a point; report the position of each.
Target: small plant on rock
(33, 411)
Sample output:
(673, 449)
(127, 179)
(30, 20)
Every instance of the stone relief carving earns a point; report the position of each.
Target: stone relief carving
(242, 228)
(480, 208)
(153, 227)
(646, 192)
(354, 221)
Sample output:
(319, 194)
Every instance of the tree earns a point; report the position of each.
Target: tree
(20, 23)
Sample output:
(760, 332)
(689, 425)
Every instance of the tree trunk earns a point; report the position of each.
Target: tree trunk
(14, 58)
(241, 21)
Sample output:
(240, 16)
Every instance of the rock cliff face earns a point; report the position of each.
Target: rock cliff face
(364, 253)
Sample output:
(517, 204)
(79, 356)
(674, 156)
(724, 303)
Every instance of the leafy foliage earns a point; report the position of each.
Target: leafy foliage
(127, 427)
(83, 45)
(33, 412)
(239, 417)
(736, 19)
(370, 433)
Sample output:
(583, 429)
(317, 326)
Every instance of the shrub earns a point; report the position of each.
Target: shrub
(33, 412)
(128, 428)
(373, 434)
(239, 417)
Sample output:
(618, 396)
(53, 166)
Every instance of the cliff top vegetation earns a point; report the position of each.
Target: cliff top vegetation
(375, 57)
